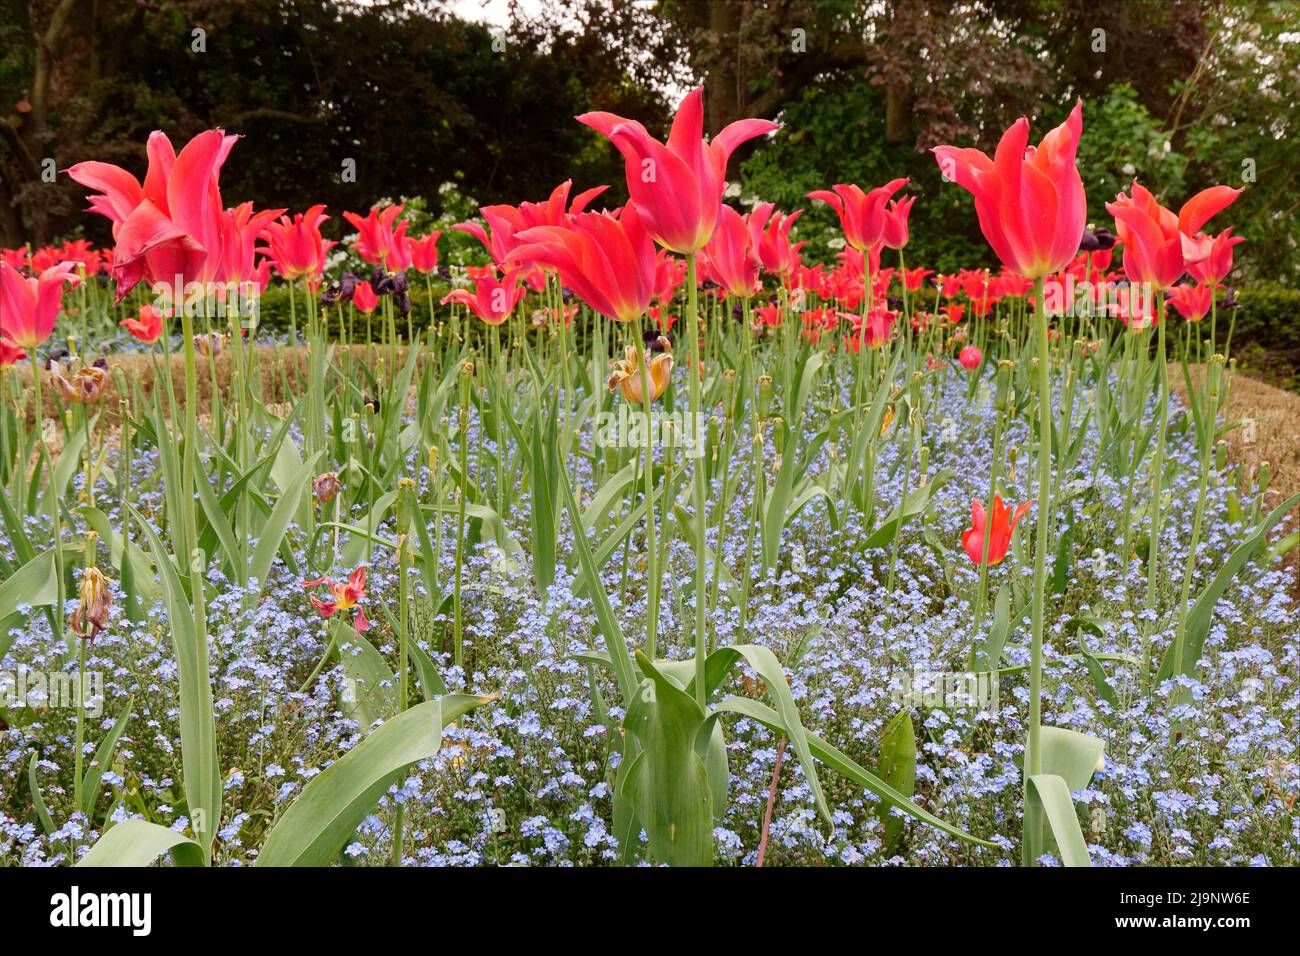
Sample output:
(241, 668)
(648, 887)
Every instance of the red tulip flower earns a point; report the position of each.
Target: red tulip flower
(1004, 523)
(1213, 256)
(424, 252)
(364, 298)
(296, 246)
(1155, 240)
(493, 299)
(897, 212)
(381, 240)
(29, 307)
(1193, 302)
(970, 357)
(770, 231)
(678, 186)
(1030, 202)
(173, 228)
(10, 354)
(914, 279)
(346, 596)
(148, 328)
(670, 272)
(242, 229)
(862, 215)
(730, 259)
(606, 258)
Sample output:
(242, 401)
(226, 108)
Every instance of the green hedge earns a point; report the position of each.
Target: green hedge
(1266, 333)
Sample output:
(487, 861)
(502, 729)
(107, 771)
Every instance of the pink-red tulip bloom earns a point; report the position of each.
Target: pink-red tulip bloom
(895, 233)
(424, 252)
(730, 258)
(381, 240)
(607, 259)
(29, 307)
(172, 229)
(862, 214)
(1030, 202)
(296, 245)
(1004, 523)
(1158, 245)
(148, 327)
(10, 354)
(677, 186)
(1192, 302)
(344, 596)
(970, 357)
(493, 299)
(364, 297)
(771, 239)
(1213, 256)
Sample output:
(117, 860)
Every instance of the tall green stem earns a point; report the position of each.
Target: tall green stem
(693, 376)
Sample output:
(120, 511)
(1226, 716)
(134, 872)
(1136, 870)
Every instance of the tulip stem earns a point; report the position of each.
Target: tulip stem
(693, 377)
(652, 554)
(458, 630)
(1157, 488)
(1033, 752)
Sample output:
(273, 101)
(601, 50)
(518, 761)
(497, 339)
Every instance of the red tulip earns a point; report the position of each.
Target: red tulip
(913, 279)
(364, 298)
(424, 252)
(296, 246)
(678, 186)
(346, 596)
(1193, 302)
(770, 232)
(897, 212)
(1004, 523)
(241, 230)
(10, 354)
(606, 258)
(875, 331)
(493, 299)
(148, 328)
(1030, 202)
(730, 258)
(1210, 259)
(379, 241)
(173, 228)
(29, 307)
(1158, 246)
(670, 272)
(862, 215)
(970, 357)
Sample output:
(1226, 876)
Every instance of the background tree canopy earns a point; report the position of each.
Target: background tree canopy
(1181, 95)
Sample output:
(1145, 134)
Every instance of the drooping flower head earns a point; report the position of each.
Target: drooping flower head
(147, 327)
(678, 185)
(626, 373)
(1030, 202)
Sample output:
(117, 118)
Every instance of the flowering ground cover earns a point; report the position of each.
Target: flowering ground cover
(650, 543)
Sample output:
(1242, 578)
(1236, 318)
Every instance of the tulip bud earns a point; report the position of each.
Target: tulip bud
(764, 396)
(1263, 477)
(1002, 385)
(1221, 455)
(433, 459)
(408, 508)
(778, 434)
